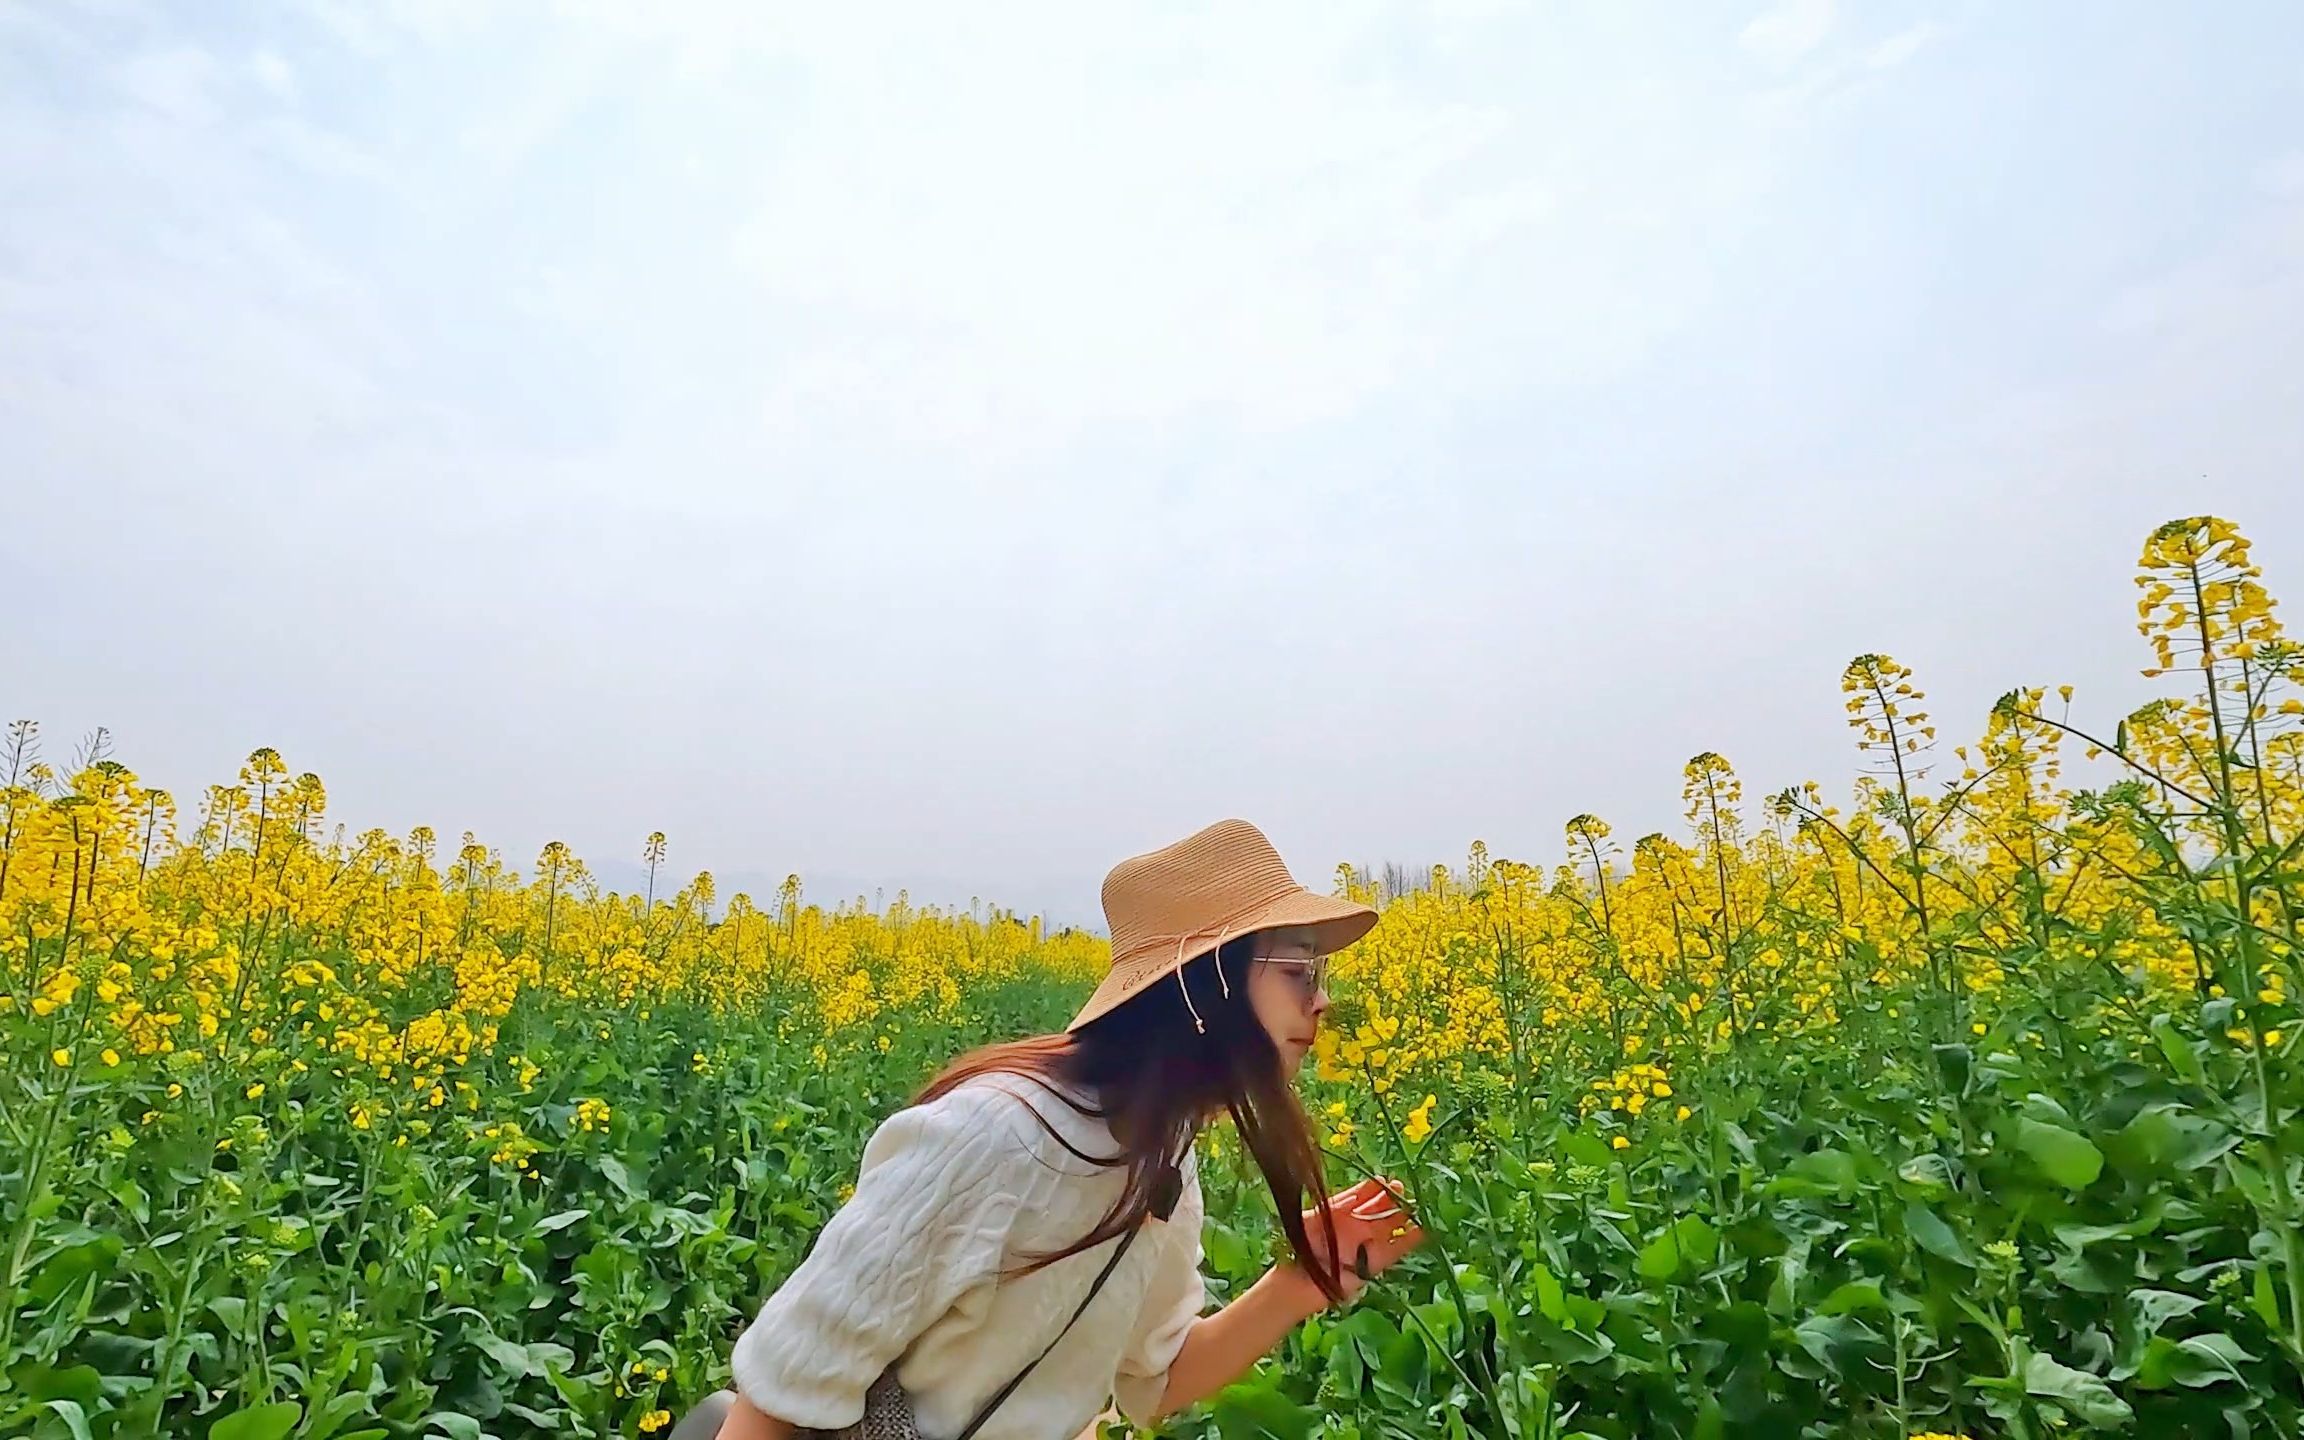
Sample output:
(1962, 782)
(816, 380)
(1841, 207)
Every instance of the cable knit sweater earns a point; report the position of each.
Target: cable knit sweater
(910, 1270)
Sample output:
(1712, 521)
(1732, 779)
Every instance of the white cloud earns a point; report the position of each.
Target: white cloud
(1193, 220)
(2282, 177)
(178, 84)
(275, 74)
(1789, 31)
(1903, 45)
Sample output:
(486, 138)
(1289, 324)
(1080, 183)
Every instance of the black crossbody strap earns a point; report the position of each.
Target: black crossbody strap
(1025, 1373)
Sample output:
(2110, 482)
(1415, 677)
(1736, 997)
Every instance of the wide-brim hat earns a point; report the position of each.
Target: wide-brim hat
(1167, 908)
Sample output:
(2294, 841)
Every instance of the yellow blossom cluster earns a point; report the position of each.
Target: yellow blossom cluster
(1628, 1091)
(124, 932)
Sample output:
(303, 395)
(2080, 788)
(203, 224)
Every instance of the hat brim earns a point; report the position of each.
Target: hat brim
(1334, 924)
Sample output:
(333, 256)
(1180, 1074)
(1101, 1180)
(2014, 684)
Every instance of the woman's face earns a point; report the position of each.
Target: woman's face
(1286, 988)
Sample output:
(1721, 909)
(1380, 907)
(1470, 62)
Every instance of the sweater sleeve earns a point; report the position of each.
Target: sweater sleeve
(938, 1191)
(1172, 1302)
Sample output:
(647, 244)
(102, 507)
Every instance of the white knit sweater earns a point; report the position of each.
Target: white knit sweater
(950, 1194)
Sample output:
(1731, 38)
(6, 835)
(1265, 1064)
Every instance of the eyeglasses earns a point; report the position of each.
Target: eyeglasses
(1311, 975)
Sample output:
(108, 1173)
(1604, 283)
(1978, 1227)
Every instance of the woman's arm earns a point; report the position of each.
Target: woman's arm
(1220, 1348)
(1371, 1225)
(745, 1422)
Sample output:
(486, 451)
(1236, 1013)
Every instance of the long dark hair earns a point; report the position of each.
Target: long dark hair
(1148, 1071)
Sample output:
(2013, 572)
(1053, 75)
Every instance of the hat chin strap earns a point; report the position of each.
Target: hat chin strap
(1198, 1024)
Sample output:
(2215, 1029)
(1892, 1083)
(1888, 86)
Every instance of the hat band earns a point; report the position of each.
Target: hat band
(1154, 945)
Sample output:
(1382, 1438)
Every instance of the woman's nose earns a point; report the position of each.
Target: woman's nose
(1320, 1002)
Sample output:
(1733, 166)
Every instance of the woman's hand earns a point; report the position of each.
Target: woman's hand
(1374, 1231)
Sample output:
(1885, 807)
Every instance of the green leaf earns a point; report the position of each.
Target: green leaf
(259, 1422)
(1954, 1065)
(456, 1426)
(1841, 1343)
(81, 1383)
(2263, 1301)
(544, 1357)
(1254, 1412)
(620, 1177)
(1929, 1171)
(2182, 1058)
(1404, 1367)
(75, 1419)
(2196, 1363)
(2155, 1308)
(1854, 1297)
(2069, 1159)
(1551, 1300)
(561, 1221)
(1791, 1268)
(1825, 1172)
(514, 1358)
(1931, 1234)
(1227, 1253)
(1683, 1247)
(2167, 1137)
(2086, 1396)
(1590, 1149)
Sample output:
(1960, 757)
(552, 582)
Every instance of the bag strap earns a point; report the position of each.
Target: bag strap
(1010, 1388)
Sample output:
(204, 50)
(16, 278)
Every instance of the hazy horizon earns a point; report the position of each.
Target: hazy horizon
(918, 448)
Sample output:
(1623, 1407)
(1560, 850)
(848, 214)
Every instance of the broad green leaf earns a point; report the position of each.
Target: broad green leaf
(75, 1419)
(1551, 1300)
(2167, 1137)
(2086, 1396)
(544, 1356)
(1227, 1253)
(1791, 1268)
(513, 1357)
(561, 1220)
(260, 1422)
(2196, 1363)
(1371, 1332)
(1929, 1171)
(1587, 1148)
(1931, 1234)
(1404, 1368)
(620, 1176)
(1824, 1172)
(1840, 1343)
(74, 1382)
(1684, 1247)
(1954, 1065)
(1855, 1297)
(2155, 1308)
(2263, 1301)
(1560, 1346)
(2182, 1058)
(2068, 1158)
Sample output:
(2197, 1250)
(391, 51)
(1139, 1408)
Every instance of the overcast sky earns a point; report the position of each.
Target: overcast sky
(962, 445)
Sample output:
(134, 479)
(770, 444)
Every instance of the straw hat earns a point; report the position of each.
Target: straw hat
(1176, 904)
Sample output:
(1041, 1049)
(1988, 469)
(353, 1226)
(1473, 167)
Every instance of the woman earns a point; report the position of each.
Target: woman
(1023, 1245)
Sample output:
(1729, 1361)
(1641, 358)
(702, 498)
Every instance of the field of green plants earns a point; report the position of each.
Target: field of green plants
(1963, 1105)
